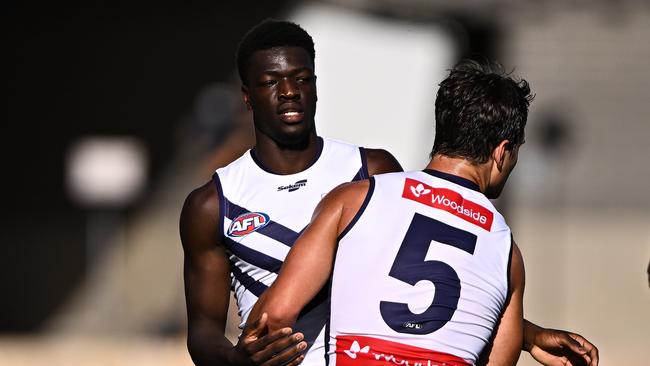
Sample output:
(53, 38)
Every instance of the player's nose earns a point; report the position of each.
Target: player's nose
(289, 89)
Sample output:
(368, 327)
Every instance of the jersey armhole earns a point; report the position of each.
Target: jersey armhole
(222, 206)
(509, 268)
(356, 217)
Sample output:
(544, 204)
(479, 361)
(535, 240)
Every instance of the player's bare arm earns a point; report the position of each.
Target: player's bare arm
(554, 347)
(381, 161)
(309, 262)
(506, 343)
(207, 286)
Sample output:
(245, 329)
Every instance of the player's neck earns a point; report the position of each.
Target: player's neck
(284, 160)
(477, 173)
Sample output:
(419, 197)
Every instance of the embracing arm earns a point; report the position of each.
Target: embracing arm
(207, 294)
(309, 262)
(506, 344)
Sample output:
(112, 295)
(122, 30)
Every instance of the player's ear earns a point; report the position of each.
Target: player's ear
(247, 97)
(499, 154)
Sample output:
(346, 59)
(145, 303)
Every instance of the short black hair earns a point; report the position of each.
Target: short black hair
(479, 105)
(268, 34)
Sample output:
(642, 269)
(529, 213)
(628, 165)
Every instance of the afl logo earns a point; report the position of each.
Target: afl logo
(245, 224)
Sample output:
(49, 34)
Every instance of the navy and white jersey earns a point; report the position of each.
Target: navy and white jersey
(420, 274)
(262, 214)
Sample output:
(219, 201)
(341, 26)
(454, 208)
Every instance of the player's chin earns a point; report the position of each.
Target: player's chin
(295, 136)
(298, 129)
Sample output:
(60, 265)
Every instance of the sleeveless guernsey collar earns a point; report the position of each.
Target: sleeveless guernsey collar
(454, 179)
(258, 162)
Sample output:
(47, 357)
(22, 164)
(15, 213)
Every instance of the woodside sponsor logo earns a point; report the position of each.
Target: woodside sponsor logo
(448, 200)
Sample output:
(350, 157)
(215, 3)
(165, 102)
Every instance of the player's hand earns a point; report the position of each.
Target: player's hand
(553, 347)
(257, 347)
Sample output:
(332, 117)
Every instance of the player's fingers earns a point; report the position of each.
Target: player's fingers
(277, 346)
(289, 355)
(279, 339)
(593, 355)
(591, 351)
(566, 341)
(280, 336)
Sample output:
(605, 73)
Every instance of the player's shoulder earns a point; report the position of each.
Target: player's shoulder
(199, 221)
(345, 201)
(381, 161)
(348, 192)
(203, 200)
(352, 187)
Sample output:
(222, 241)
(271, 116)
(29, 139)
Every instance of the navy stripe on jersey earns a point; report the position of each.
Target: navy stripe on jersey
(363, 171)
(327, 335)
(251, 284)
(364, 163)
(314, 316)
(273, 229)
(222, 201)
(356, 217)
(253, 257)
(358, 176)
(279, 232)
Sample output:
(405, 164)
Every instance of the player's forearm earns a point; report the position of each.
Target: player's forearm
(208, 347)
(530, 331)
(280, 317)
(280, 312)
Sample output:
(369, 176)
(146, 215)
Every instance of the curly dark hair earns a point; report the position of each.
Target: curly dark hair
(479, 105)
(268, 34)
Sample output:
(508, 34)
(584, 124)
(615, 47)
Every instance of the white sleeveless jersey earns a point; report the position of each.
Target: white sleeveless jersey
(420, 275)
(262, 214)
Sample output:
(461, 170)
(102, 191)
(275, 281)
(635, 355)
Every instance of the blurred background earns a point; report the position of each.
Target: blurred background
(116, 111)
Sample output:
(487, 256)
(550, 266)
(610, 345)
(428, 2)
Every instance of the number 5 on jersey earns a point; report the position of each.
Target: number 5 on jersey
(411, 267)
